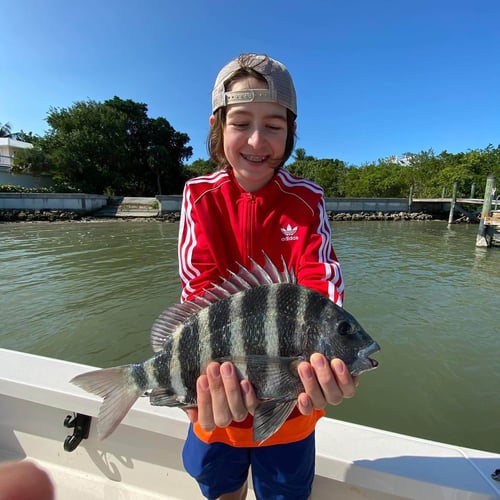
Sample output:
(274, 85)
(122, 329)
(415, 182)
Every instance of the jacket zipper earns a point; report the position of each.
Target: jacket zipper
(249, 227)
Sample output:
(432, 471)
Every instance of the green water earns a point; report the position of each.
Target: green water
(89, 292)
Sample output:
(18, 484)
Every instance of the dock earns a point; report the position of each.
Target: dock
(467, 207)
(492, 228)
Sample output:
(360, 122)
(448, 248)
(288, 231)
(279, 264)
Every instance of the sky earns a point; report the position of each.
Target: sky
(374, 78)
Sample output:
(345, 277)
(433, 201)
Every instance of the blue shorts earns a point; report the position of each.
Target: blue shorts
(279, 472)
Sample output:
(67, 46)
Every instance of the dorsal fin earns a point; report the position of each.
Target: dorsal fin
(170, 319)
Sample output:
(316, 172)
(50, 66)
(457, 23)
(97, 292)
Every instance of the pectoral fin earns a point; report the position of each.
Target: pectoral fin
(273, 377)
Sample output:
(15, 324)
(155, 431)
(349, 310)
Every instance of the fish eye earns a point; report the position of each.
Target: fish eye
(344, 327)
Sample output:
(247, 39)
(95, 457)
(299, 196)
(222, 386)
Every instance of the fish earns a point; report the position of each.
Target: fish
(259, 319)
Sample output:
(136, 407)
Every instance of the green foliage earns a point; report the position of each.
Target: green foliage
(32, 161)
(110, 147)
(199, 167)
(5, 130)
(9, 188)
(328, 173)
(391, 178)
(114, 147)
(383, 180)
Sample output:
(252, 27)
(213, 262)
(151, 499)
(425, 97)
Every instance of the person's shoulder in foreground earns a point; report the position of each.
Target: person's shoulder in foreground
(24, 481)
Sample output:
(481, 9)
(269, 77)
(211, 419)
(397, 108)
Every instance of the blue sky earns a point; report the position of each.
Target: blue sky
(374, 78)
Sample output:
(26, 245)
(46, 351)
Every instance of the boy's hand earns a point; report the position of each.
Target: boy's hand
(222, 398)
(324, 383)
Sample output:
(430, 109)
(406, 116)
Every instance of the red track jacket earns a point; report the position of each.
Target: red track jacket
(222, 225)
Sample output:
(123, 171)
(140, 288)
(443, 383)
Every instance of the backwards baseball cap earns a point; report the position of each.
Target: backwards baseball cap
(280, 85)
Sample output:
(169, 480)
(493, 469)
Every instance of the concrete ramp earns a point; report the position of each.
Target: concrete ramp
(129, 206)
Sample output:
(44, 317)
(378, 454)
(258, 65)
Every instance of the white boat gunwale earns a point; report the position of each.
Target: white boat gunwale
(35, 397)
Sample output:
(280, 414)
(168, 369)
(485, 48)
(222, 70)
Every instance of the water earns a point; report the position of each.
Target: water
(89, 292)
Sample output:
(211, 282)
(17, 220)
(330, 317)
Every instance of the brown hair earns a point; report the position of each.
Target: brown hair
(215, 140)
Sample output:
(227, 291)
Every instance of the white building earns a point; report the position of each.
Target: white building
(404, 160)
(8, 148)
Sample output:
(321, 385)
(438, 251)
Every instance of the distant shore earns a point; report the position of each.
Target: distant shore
(26, 215)
(17, 215)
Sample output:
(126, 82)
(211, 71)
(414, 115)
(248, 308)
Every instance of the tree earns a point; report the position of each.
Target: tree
(115, 147)
(300, 155)
(108, 147)
(31, 161)
(166, 154)
(199, 167)
(86, 145)
(5, 130)
(328, 173)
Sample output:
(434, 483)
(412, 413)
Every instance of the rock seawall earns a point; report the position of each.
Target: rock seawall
(366, 216)
(14, 215)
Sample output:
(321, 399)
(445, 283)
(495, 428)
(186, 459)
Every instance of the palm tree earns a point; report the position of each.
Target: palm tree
(5, 130)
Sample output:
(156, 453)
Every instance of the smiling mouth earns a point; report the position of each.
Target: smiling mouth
(254, 159)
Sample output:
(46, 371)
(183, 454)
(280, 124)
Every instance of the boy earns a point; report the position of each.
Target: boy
(251, 204)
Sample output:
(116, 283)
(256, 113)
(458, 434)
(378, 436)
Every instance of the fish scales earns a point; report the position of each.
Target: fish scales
(188, 353)
(161, 364)
(139, 376)
(219, 326)
(237, 340)
(179, 363)
(313, 307)
(289, 307)
(188, 340)
(253, 318)
(273, 334)
(259, 319)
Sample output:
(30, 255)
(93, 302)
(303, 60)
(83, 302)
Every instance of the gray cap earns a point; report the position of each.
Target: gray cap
(281, 89)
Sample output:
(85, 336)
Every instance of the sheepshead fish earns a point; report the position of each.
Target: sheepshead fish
(262, 321)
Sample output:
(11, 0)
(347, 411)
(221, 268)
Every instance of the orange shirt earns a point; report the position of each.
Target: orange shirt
(239, 434)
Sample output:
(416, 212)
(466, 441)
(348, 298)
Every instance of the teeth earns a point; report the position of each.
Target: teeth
(254, 158)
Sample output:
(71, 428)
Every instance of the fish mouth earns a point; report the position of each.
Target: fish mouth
(363, 362)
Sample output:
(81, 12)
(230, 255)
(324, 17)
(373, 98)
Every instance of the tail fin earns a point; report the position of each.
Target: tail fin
(119, 395)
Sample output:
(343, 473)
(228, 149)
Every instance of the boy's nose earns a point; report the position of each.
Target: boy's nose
(256, 137)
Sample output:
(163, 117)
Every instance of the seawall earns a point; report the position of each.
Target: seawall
(75, 202)
(88, 203)
(16, 207)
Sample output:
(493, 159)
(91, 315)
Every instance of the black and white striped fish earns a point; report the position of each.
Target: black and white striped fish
(261, 321)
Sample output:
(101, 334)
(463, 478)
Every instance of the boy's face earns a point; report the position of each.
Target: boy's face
(254, 138)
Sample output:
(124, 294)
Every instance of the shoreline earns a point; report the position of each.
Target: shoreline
(31, 215)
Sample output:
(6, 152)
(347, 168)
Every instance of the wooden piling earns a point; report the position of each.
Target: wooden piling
(453, 203)
(483, 239)
(410, 198)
